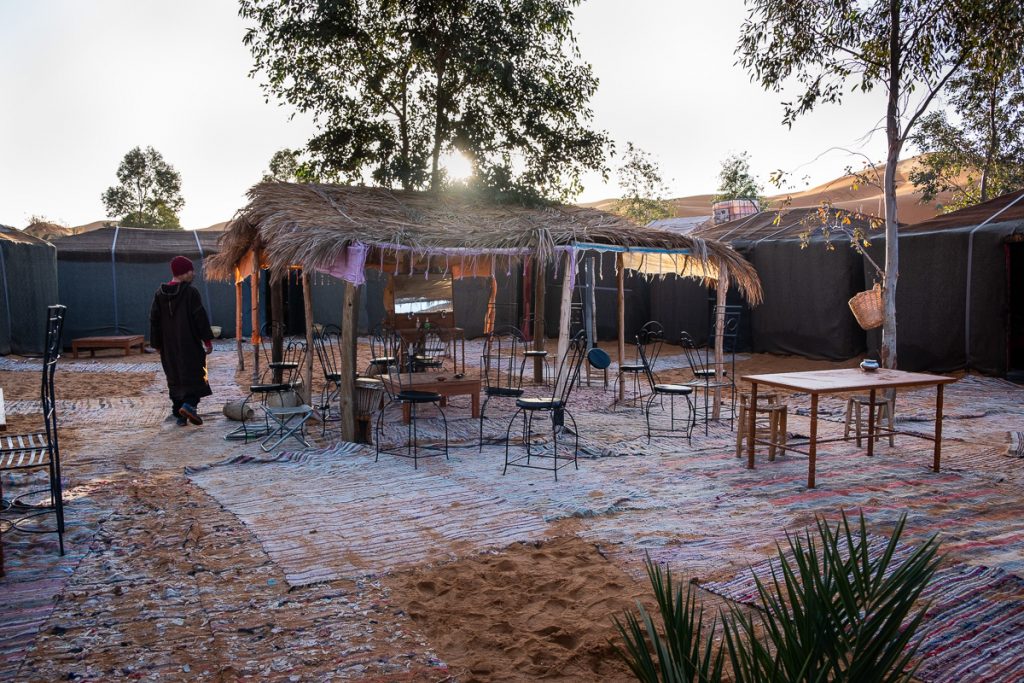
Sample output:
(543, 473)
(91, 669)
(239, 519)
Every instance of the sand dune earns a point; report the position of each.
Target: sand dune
(865, 199)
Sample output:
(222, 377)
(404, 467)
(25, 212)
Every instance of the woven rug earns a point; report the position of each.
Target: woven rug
(71, 365)
(972, 628)
(140, 411)
(1016, 447)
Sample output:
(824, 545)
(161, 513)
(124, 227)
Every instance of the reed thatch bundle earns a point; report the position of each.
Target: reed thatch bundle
(311, 225)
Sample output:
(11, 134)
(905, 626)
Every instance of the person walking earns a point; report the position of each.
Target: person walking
(179, 329)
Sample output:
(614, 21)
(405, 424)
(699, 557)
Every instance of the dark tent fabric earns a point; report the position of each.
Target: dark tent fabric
(28, 278)
(108, 277)
(805, 310)
(950, 265)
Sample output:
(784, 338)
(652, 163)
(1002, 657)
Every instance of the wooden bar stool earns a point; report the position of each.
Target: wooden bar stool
(774, 428)
(883, 407)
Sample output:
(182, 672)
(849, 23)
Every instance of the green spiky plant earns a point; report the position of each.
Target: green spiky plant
(680, 652)
(831, 612)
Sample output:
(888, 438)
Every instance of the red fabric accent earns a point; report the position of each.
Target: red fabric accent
(180, 265)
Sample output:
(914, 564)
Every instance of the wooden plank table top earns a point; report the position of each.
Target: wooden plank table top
(817, 382)
(440, 383)
(849, 379)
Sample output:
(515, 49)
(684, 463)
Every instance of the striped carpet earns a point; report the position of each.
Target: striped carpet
(70, 365)
(336, 514)
(972, 628)
(139, 411)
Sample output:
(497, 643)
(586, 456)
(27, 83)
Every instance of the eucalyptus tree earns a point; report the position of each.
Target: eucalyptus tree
(148, 193)
(911, 49)
(643, 190)
(394, 85)
(978, 152)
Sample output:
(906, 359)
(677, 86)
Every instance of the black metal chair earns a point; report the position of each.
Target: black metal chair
(39, 450)
(501, 378)
(730, 340)
(402, 393)
(430, 352)
(557, 406)
(704, 375)
(327, 342)
(383, 351)
(648, 353)
(279, 381)
(634, 368)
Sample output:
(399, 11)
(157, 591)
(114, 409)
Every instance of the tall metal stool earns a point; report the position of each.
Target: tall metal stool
(770, 421)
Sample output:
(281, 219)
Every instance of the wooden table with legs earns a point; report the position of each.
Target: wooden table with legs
(820, 382)
(440, 383)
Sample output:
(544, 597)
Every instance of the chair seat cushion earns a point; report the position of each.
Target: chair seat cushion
(504, 391)
(677, 389)
(628, 367)
(383, 360)
(538, 403)
(283, 365)
(333, 376)
(535, 354)
(411, 396)
(267, 388)
(704, 372)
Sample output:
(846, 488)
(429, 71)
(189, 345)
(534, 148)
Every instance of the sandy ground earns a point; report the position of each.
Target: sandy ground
(163, 582)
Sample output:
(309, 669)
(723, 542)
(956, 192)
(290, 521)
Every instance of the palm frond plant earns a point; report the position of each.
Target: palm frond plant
(680, 652)
(834, 610)
(839, 607)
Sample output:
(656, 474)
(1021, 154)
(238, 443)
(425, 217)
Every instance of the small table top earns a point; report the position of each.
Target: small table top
(850, 379)
(441, 382)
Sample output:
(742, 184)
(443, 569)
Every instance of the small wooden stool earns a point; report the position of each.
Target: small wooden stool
(775, 429)
(883, 407)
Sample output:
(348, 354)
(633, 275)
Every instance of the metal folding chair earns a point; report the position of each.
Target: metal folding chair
(557, 407)
(289, 422)
(39, 450)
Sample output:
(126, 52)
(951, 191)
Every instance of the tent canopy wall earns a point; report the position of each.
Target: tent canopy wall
(949, 265)
(108, 277)
(28, 279)
(805, 311)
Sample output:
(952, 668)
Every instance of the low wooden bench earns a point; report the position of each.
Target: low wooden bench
(126, 342)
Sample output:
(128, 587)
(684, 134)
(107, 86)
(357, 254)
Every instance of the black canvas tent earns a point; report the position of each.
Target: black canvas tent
(806, 290)
(108, 277)
(28, 278)
(960, 298)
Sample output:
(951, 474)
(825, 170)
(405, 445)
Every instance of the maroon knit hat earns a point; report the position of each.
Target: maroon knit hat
(180, 265)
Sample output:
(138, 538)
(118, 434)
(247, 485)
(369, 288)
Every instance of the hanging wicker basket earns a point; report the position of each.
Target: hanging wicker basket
(867, 307)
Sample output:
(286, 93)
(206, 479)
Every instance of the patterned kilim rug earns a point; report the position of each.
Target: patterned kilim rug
(973, 623)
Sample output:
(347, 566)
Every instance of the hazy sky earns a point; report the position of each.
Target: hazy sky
(84, 81)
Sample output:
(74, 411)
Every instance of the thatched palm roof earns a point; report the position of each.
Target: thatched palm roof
(311, 225)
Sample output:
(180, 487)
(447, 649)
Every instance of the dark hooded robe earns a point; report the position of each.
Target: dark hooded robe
(178, 327)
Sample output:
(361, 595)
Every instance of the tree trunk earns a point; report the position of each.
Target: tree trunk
(990, 152)
(892, 244)
(435, 153)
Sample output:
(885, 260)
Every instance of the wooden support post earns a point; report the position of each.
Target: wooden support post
(565, 314)
(620, 280)
(277, 326)
(238, 319)
(348, 341)
(307, 304)
(539, 285)
(491, 301)
(254, 282)
(723, 290)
